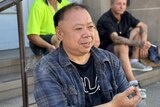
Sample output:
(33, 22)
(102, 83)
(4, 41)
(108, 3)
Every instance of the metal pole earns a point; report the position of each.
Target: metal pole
(22, 54)
(5, 4)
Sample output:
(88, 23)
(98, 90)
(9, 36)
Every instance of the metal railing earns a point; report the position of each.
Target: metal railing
(5, 4)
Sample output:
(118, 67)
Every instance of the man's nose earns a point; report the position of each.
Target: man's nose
(87, 33)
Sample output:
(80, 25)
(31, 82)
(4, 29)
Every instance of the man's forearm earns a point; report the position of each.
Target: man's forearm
(38, 41)
(122, 40)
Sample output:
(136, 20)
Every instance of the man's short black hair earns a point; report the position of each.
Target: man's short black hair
(60, 13)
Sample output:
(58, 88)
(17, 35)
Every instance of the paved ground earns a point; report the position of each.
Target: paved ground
(153, 95)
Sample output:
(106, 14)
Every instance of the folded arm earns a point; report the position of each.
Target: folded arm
(122, 40)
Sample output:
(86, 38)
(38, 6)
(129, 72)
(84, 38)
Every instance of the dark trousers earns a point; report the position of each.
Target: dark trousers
(39, 50)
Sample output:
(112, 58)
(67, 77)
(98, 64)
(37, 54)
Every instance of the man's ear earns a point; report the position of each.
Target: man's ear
(59, 33)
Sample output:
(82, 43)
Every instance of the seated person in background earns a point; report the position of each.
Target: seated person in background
(97, 40)
(40, 29)
(119, 31)
(77, 74)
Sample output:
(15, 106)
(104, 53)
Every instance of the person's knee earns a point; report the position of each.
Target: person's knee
(145, 26)
(134, 32)
(121, 49)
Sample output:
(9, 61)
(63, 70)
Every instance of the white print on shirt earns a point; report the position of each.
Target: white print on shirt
(86, 83)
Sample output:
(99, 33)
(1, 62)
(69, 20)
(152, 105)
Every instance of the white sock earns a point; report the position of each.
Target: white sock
(133, 82)
(133, 60)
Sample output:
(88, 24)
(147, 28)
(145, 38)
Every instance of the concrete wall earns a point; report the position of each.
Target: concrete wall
(148, 12)
(145, 10)
(97, 7)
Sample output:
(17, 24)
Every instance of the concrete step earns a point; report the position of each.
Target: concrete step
(17, 102)
(9, 66)
(13, 88)
(147, 78)
(10, 60)
(10, 74)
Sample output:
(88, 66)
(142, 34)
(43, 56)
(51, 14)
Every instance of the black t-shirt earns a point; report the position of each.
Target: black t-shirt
(107, 24)
(93, 95)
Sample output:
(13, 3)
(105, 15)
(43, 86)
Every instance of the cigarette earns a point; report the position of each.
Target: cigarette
(153, 45)
(142, 90)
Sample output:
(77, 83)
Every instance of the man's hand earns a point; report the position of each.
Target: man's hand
(55, 41)
(97, 40)
(122, 99)
(144, 50)
(51, 48)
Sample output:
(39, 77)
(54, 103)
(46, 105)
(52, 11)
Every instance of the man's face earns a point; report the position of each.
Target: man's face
(119, 6)
(76, 32)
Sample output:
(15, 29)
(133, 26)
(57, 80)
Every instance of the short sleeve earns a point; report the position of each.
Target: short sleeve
(34, 21)
(133, 21)
(105, 27)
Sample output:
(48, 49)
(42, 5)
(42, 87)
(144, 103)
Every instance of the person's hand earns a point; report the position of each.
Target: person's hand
(122, 99)
(97, 40)
(144, 50)
(51, 48)
(55, 41)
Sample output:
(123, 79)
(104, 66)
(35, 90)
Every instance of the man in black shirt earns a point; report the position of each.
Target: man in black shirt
(120, 32)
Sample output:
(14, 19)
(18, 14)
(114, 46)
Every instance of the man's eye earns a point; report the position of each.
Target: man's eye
(78, 28)
(124, 4)
(118, 3)
(91, 27)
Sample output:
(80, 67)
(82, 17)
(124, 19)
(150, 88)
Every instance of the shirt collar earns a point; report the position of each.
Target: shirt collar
(57, 0)
(94, 51)
(113, 17)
